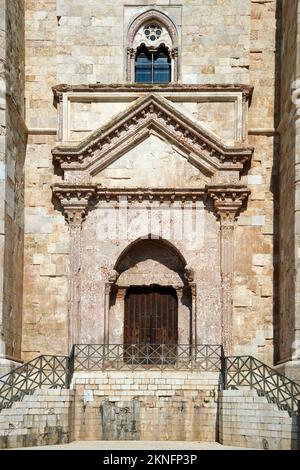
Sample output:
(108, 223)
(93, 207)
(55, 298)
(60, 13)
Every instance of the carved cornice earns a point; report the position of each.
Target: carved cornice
(228, 200)
(77, 198)
(151, 114)
(58, 90)
(154, 194)
(74, 201)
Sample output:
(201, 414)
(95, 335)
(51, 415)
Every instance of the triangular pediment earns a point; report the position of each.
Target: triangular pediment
(154, 162)
(151, 114)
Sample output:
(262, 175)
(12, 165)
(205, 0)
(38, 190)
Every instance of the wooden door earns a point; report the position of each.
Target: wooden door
(151, 316)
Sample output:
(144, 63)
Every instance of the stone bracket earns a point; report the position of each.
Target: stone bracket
(74, 201)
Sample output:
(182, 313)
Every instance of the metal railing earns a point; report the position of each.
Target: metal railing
(251, 372)
(43, 371)
(236, 371)
(146, 356)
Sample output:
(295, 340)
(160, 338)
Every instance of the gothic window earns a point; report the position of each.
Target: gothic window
(152, 66)
(152, 52)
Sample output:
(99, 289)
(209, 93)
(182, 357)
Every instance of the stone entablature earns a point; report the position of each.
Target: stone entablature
(98, 98)
(149, 114)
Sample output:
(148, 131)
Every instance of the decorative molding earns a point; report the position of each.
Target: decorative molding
(41, 131)
(155, 16)
(228, 200)
(65, 108)
(74, 201)
(148, 114)
(154, 194)
(58, 90)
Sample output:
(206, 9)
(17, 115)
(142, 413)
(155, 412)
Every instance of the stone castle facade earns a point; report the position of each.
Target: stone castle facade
(98, 172)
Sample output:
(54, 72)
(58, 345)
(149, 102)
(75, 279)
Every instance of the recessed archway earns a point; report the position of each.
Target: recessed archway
(151, 286)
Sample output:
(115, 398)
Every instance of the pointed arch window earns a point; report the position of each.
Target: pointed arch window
(152, 49)
(152, 66)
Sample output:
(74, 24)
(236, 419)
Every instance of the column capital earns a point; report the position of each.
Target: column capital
(74, 201)
(228, 200)
(131, 52)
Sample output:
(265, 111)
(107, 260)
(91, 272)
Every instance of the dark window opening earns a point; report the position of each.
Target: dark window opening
(152, 67)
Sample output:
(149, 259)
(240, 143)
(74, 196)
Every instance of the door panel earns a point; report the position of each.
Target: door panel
(150, 321)
(151, 316)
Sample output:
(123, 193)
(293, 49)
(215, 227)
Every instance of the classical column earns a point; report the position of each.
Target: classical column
(74, 202)
(75, 222)
(130, 64)
(174, 56)
(193, 288)
(228, 201)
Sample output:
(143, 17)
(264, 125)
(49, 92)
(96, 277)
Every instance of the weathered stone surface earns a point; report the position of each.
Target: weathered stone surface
(288, 334)
(75, 35)
(12, 155)
(248, 420)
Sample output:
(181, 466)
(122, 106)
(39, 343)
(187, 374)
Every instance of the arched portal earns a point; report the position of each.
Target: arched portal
(151, 297)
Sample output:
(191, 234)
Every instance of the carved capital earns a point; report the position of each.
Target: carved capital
(189, 273)
(131, 52)
(74, 201)
(74, 217)
(228, 201)
(174, 52)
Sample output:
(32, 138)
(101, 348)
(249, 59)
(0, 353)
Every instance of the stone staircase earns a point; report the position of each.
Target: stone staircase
(249, 420)
(95, 395)
(41, 418)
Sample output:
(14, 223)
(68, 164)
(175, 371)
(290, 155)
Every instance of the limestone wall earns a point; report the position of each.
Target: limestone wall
(40, 419)
(247, 420)
(46, 259)
(289, 189)
(12, 154)
(145, 405)
(254, 294)
(229, 42)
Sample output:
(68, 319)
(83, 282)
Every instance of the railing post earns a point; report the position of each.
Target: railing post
(70, 366)
(224, 369)
(40, 372)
